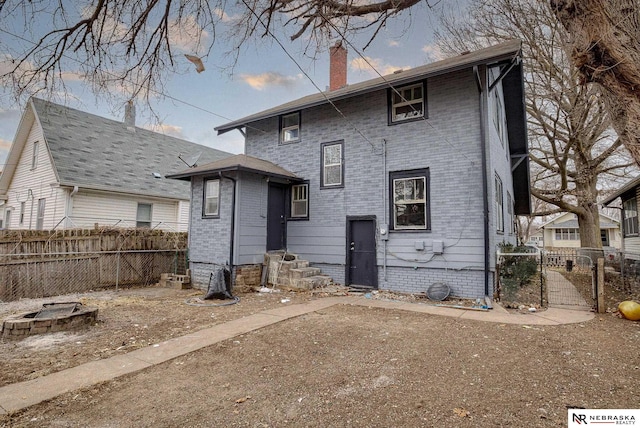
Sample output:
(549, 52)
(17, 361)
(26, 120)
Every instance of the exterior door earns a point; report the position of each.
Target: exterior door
(362, 268)
(276, 217)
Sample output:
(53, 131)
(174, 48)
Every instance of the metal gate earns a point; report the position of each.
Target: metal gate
(536, 279)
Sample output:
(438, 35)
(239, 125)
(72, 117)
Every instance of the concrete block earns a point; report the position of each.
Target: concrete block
(304, 272)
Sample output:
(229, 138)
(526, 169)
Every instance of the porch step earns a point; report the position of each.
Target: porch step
(293, 273)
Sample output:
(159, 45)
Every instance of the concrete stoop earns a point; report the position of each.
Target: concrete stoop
(288, 272)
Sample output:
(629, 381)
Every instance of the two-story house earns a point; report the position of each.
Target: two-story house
(397, 183)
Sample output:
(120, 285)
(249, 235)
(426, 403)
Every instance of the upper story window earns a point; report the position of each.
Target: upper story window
(300, 201)
(410, 199)
(499, 117)
(510, 210)
(407, 103)
(143, 216)
(211, 203)
(34, 156)
(499, 205)
(290, 128)
(630, 217)
(332, 174)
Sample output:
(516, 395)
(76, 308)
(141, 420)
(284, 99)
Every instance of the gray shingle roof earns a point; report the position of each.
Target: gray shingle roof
(93, 152)
(238, 163)
(496, 53)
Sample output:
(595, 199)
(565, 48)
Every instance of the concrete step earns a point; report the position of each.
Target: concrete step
(310, 282)
(304, 272)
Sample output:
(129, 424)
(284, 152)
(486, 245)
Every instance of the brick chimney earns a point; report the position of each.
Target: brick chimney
(337, 66)
(130, 116)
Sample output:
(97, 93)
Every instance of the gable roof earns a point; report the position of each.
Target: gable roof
(93, 152)
(621, 191)
(238, 163)
(501, 52)
(572, 222)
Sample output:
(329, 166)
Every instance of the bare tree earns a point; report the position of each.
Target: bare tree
(571, 146)
(132, 42)
(605, 48)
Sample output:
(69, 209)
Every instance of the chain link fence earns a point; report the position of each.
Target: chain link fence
(51, 274)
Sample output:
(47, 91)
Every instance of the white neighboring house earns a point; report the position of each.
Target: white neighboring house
(562, 232)
(71, 169)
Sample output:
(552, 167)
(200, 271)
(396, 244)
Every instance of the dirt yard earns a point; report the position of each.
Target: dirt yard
(343, 366)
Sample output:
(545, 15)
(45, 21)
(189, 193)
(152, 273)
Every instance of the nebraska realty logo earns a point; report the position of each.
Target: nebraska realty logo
(598, 417)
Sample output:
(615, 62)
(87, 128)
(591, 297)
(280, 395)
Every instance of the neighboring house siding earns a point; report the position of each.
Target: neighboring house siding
(632, 243)
(209, 238)
(90, 208)
(31, 185)
(448, 145)
(183, 216)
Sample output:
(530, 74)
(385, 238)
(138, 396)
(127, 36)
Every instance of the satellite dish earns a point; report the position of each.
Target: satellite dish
(190, 160)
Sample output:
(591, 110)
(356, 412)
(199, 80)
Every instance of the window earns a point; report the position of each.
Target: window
(406, 103)
(498, 116)
(211, 206)
(510, 212)
(567, 234)
(409, 196)
(22, 210)
(300, 201)
(143, 217)
(332, 173)
(499, 206)
(40, 214)
(34, 156)
(7, 219)
(630, 217)
(290, 128)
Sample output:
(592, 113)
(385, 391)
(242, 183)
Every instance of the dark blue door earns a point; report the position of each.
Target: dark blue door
(362, 268)
(276, 217)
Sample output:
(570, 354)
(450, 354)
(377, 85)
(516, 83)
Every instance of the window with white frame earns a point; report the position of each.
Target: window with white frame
(332, 174)
(34, 156)
(406, 103)
(630, 217)
(511, 219)
(499, 205)
(143, 216)
(211, 202)
(7, 219)
(300, 201)
(498, 116)
(40, 213)
(567, 234)
(409, 196)
(290, 128)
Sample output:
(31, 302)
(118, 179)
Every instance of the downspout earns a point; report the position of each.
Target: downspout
(233, 223)
(70, 206)
(485, 184)
(384, 208)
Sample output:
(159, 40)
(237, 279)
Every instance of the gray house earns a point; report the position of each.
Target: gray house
(395, 183)
(628, 194)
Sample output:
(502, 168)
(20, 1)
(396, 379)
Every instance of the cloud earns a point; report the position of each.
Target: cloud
(369, 66)
(264, 80)
(166, 129)
(433, 53)
(186, 34)
(393, 43)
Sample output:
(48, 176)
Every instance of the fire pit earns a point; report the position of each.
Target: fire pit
(52, 317)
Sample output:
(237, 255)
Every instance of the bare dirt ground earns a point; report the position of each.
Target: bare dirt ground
(343, 366)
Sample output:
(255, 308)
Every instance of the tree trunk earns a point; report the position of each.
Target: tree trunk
(605, 48)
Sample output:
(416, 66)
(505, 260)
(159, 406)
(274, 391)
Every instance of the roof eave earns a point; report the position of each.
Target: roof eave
(375, 85)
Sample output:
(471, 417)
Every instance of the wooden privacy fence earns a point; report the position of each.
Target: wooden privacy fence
(43, 264)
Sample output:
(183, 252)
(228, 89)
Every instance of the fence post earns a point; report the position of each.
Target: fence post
(117, 268)
(541, 280)
(600, 287)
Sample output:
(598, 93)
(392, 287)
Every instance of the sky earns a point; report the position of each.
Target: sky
(264, 76)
